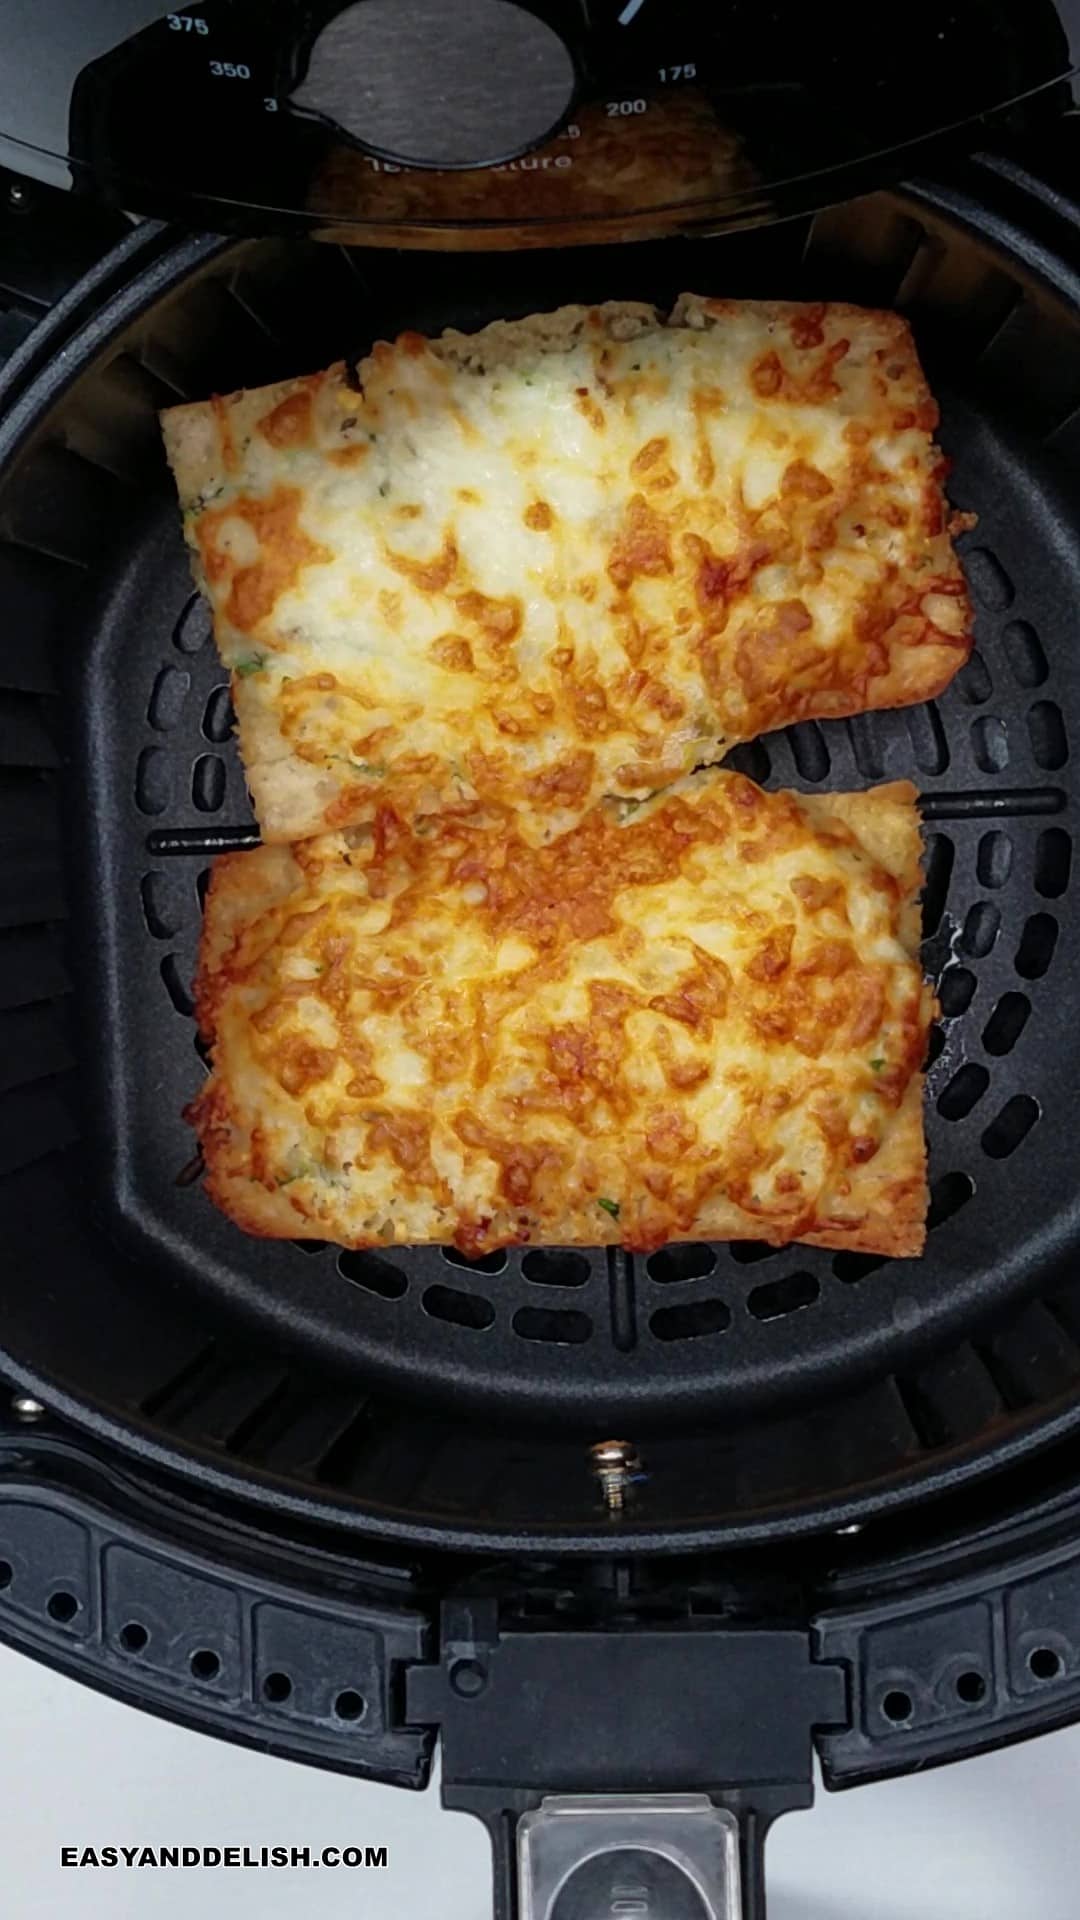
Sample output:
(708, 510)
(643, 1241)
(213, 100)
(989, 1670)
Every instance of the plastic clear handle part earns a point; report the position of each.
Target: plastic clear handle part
(629, 1857)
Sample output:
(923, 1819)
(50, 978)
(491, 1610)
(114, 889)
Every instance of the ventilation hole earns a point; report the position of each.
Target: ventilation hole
(1053, 863)
(1024, 653)
(970, 1688)
(689, 1262)
(167, 699)
(990, 744)
(133, 1636)
(1046, 731)
(981, 928)
(748, 1252)
(947, 1196)
(940, 855)
(160, 924)
(863, 734)
(482, 1263)
(897, 1705)
(461, 1309)
(202, 1048)
(851, 1267)
(350, 1705)
(928, 742)
(988, 579)
(276, 1688)
(62, 1606)
(964, 1090)
(547, 1269)
(562, 1325)
(309, 1246)
(7, 1574)
(935, 1047)
(775, 1298)
(374, 1275)
(1036, 949)
(994, 860)
(174, 985)
(192, 630)
(153, 780)
(1044, 1663)
(956, 990)
(202, 887)
(208, 783)
(690, 1321)
(1006, 1023)
(204, 1664)
(751, 758)
(974, 681)
(219, 718)
(1012, 1126)
(808, 750)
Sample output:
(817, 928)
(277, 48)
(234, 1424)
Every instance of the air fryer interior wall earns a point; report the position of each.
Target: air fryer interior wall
(406, 1391)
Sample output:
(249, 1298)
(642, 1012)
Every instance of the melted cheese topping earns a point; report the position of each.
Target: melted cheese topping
(704, 1019)
(568, 557)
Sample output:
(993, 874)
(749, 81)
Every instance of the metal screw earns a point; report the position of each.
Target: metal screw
(18, 196)
(468, 1678)
(26, 1408)
(855, 1527)
(614, 1464)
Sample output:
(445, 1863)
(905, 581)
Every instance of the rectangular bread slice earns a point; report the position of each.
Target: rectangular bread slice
(703, 1018)
(569, 556)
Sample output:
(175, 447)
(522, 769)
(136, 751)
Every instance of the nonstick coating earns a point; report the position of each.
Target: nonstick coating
(772, 1393)
(696, 1328)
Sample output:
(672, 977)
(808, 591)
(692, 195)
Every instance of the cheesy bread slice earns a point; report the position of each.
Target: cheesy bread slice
(568, 557)
(702, 1018)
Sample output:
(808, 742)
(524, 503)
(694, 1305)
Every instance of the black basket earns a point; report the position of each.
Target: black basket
(413, 1394)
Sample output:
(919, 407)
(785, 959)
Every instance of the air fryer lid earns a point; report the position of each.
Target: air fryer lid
(556, 116)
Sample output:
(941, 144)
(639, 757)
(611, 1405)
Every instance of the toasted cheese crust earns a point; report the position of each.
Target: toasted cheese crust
(568, 557)
(704, 1019)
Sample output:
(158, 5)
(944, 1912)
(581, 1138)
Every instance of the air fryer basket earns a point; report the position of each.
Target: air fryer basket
(413, 1393)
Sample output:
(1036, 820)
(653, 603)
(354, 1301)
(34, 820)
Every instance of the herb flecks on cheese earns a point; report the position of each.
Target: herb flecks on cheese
(569, 556)
(704, 1018)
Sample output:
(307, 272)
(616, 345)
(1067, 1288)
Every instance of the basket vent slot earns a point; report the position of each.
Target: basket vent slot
(990, 743)
(775, 1299)
(1046, 731)
(561, 1326)
(457, 1308)
(994, 862)
(1011, 1127)
(480, 1263)
(1024, 653)
(1006, 1023)
(376, 1276)
(1053, 863)
(551, 1267)
(687, 1261)
(691, 1320)
(1036, 949)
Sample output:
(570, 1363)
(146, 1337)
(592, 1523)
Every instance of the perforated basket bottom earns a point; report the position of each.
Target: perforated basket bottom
(693, 1328)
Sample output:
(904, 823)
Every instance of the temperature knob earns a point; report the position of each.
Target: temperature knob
(439, 83)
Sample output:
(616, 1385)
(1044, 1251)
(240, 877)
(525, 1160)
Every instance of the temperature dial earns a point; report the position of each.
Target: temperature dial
(432, 84)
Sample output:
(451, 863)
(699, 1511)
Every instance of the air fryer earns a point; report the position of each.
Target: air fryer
(632, 1538)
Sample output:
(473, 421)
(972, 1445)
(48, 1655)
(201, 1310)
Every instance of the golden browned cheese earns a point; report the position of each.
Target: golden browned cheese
(569, 556)
(699, 1018)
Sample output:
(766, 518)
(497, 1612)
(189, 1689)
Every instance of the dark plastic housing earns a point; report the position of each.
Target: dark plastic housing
(662, 117)
(406, 1394)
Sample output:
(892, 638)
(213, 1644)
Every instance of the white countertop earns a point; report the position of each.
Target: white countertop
(994, 1839)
